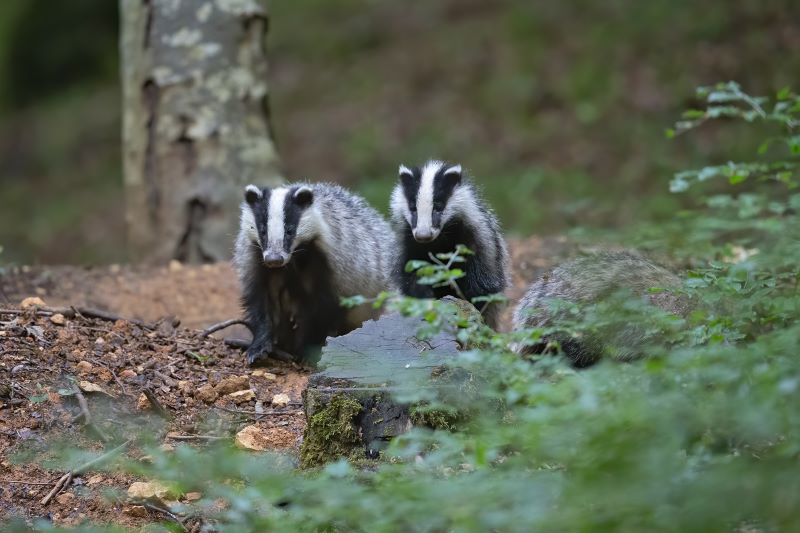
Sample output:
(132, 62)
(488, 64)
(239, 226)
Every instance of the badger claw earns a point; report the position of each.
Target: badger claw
(258, 352)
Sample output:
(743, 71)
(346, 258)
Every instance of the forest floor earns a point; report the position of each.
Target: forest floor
(85, 381)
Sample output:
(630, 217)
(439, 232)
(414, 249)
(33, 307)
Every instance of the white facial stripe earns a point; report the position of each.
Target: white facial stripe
(275, 221)
(453, 170)
(425, 195)
(405, 170)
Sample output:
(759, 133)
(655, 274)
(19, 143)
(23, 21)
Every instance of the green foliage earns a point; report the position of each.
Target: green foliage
(700, 433)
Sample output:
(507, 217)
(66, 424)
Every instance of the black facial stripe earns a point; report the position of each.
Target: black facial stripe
(410, 186)
(260, 214)
(443, 187)
(291, 218)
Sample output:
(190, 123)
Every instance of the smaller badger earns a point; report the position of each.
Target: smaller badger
(434, 208)
(300, 248)
(592, 279)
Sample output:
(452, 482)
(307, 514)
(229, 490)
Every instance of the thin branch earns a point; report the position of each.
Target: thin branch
(75, 311)
(159, 409)
(169, 514)
(196, 437)
(87, 416)
(67, 478)
(222, 325)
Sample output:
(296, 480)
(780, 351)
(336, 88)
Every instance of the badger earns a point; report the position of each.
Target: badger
(300, 249)
(434, 208)
(592, 279)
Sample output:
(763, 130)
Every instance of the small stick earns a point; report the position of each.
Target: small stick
(163, 413)
(196, 437)
(169, 514)
(113, 374)
(66, 478)
(255, 413)
(20, 482)
(60, 484)
(87, 416)
(168, 380)
(222, 325)
(73, 311)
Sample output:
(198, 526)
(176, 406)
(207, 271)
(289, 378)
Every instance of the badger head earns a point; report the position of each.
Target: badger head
(423, 197)
(278, 220)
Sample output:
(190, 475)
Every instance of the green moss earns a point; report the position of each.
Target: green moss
(332, 433)
(434, 417)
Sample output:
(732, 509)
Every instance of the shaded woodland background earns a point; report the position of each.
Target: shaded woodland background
(558, 109)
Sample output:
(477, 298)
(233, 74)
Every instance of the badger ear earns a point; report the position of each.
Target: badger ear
(304, 196)
(453, 174)
(252, 194)
(406, 176)
(405, 171)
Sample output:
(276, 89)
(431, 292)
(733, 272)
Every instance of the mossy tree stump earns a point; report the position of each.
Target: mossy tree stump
(350, 403)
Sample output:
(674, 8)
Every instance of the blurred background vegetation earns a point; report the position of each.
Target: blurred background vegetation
(557, 108)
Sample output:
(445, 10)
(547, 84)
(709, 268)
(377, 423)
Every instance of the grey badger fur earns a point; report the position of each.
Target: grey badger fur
(591, 279)
(300, 248)
(434, 208)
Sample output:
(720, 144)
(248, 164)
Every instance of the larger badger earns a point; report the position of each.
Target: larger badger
(434, 209)
(300, 249)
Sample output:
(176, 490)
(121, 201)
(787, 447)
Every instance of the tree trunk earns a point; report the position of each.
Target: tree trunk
(195, 123)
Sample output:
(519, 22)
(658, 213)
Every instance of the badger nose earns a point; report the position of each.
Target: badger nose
(274, 259)
(423, 235)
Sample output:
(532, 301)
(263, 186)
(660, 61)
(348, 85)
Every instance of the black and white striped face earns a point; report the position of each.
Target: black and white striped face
(424, 195)
(275, 220)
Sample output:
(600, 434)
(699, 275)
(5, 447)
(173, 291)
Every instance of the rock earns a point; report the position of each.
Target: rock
(193, 496)
(175, 266)
(88, 386)
(65, 498)
(150, 489)
(206, 394)
(100, 341)
(242, 396)
(137, 511)
(142, 403)
(232, 384)
(185, 386)
(95, 479)
(252, 438)
(261, 373)
(84, 367)
(127, 374)
(32, 301)
(280, 400)
(58, 319)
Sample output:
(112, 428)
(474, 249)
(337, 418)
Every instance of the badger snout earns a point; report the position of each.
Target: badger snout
(275, 259)
(425, 234)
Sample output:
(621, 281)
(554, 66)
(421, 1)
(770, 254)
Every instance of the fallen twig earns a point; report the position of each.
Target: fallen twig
(159, 409)
(256, 413)
(169, 514)
(168, 380)
(196, 437)
(64, 480)
(73, 311)
(222, 325)
(22, 482)
(87, 416)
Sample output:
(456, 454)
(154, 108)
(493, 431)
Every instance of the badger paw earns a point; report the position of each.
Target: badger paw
(258, 352)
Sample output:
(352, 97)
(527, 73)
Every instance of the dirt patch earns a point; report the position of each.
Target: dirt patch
(199, 384)
(113, 364)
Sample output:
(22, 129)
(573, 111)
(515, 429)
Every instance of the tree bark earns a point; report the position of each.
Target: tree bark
(195, 123)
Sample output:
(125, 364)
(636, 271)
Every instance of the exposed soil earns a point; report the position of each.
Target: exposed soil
(43, 358)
